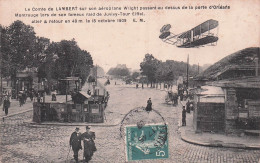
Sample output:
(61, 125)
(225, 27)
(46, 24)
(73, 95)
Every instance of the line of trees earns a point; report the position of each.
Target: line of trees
(119, 72)
(21, 48)
(157, 71)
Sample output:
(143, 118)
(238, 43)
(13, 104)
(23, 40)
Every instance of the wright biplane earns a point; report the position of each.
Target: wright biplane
(205, 33)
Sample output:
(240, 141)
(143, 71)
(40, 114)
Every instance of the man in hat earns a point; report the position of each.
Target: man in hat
(75, 143)
(88, 138)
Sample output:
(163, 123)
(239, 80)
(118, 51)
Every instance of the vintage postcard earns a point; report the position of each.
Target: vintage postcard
(129, 81)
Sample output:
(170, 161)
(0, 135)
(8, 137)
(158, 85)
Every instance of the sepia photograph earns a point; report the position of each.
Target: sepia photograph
(95, 81)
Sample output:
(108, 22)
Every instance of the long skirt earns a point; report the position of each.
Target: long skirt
(88, 150)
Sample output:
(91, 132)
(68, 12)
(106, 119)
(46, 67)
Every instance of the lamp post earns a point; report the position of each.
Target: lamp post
(17, 88)
(187, 74)
(77, 82)
(43, 84)
(94, 85)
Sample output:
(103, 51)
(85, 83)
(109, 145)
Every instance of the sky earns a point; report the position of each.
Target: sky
(127, 43)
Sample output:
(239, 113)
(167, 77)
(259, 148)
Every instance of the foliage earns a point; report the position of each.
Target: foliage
(135, 75)
(91, 79)
(71, 60)
(149, 67)
(4, 50)
(21, 48)
(167, 71)
(18, 47)
(121, 72)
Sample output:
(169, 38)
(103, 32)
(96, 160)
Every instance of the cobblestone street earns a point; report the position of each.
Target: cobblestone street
(24, 142)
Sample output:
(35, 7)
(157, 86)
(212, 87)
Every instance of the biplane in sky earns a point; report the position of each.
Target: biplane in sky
(203, 34)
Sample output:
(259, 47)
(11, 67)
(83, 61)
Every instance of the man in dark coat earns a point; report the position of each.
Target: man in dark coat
(188, 106)
(88, 138)
(75, 143)
(183, 116)
(149, 105)
(6, 105)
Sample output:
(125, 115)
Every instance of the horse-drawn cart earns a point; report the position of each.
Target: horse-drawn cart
(171, 97)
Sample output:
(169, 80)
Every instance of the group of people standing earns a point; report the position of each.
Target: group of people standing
(22, 97)
(32, 94)
(88, 138)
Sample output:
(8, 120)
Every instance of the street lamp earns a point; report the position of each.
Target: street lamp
(77, 85)
(93, 83)
(44, 80)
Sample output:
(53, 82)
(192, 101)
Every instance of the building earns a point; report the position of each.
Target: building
(228, 99)
(228, 106)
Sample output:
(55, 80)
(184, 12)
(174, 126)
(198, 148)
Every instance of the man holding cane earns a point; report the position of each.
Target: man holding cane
(75, 143)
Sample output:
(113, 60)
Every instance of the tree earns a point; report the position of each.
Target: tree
(167, 71)
(135, 75)
(71, 60)
(83, 65)
(149, 67)
(41, 54)
(20, 52)
(120, 72)
(170, 70)
(21, 48)
(5, 52)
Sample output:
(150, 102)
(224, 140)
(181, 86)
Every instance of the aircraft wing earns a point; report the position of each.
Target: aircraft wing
(202, 28)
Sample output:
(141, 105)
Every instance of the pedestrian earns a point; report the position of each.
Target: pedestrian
(24, 97)
(6, 105)
(31, 95)
(181, 96)
(136, 86)
(53, 96)
(191, 106)
(142, 85)
(38, 97)
(89, 92)
(20, 98)
(175, 99)
(75, 143)
(149, 105)
(188, 106)
(88, 138)
(183, 116)
(34, 96)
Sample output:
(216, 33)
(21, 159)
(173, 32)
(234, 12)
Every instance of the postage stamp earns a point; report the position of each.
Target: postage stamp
(146, 142)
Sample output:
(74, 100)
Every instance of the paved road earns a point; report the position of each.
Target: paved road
(22, 142)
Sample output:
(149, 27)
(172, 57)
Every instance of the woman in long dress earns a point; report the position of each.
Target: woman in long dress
(88, 138)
